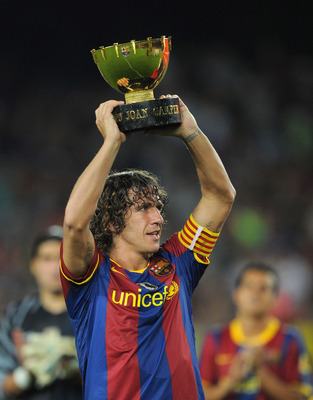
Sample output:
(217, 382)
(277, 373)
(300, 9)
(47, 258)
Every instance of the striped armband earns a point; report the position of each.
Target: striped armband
(196, 238)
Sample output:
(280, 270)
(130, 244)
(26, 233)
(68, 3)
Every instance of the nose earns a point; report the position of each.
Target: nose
(156, 216)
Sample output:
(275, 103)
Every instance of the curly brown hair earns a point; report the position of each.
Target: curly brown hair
(115, 201)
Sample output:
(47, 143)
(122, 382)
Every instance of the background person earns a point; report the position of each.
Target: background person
(37, 350)
(255, 356)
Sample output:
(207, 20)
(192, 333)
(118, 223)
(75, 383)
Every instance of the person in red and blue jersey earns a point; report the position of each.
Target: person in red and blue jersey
(129, 299)
(255, 356)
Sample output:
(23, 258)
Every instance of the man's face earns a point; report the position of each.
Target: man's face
(45, 266)
(255, 296)
(143, 228)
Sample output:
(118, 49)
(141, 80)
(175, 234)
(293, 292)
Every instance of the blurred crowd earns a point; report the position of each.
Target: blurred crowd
(256, 110)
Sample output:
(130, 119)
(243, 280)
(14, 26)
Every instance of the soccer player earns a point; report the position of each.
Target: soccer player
(38, 358)
(128, 298)
(255, 356)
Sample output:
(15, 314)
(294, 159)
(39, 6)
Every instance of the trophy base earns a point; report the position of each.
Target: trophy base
(147, 114)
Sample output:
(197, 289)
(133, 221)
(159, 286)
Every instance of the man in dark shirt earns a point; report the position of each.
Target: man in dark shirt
(37, 349)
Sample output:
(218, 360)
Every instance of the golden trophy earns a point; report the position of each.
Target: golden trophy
(135, 69)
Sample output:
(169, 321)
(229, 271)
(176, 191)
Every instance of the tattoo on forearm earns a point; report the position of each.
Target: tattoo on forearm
(193, 135)
(219, 226)
(209, 224)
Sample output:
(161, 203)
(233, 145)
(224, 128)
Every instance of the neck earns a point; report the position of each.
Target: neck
(132, 262)
(253, 325)
(53, 302)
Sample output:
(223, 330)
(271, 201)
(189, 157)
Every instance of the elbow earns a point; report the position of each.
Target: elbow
(225, 194)
(229, 197)
(74, 222)
(230, 194)
(226, 199)
(223, 198)
(219, 188)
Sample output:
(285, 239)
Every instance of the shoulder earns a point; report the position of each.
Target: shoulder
(26, 303)
(290, 330)
(173, 246)
(216, 332)
(293, 333)
(17, 310)
(68, 280)
(213, 340)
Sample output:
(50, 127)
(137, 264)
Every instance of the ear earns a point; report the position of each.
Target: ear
(111, 227)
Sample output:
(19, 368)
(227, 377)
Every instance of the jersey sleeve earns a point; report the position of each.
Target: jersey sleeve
(67, 278)
(198, 239)
(77, 286)
(297, 364)
(207, 360)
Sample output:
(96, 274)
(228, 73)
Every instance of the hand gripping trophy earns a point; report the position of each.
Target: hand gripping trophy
(135, 69)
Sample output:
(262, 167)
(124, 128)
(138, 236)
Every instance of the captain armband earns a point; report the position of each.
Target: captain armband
(198, 239)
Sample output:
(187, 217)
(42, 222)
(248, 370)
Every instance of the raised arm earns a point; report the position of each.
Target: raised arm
(78, 242)
(218, 194)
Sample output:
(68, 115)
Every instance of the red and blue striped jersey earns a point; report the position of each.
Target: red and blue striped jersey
(134, 330)
(283, 349)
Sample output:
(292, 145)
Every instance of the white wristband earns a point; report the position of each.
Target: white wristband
(22, 378)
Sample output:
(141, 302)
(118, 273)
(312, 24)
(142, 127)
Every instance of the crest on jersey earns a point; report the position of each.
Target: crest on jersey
(162, 268)
(125, 51)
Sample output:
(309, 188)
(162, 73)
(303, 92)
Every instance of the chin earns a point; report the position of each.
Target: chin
(150, 252)
(57, 292)
(258, 313)
(156, 248)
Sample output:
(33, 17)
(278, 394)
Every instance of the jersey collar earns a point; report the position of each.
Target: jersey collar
(238, 336)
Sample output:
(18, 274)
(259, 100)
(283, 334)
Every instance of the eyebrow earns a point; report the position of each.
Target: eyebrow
(149, 203)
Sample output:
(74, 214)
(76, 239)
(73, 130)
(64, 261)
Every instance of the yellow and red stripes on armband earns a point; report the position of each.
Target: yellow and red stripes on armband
(196, 238)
